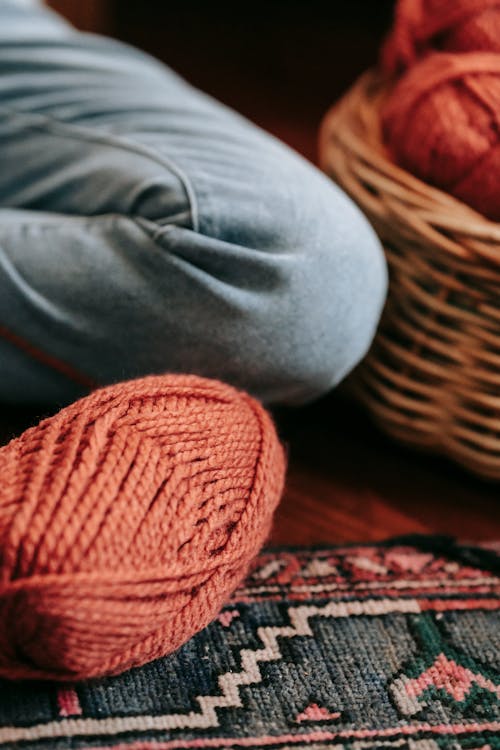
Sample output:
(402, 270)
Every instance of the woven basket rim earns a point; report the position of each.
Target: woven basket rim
(352, 126)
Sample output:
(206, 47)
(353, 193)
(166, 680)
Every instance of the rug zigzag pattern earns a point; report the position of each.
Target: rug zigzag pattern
(391, 645)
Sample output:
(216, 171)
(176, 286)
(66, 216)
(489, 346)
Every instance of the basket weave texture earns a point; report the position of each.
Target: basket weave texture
(432, 377)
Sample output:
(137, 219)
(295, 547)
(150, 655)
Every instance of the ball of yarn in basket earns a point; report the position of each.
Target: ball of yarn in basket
(441, 122)
(422, 26)
(126, 520)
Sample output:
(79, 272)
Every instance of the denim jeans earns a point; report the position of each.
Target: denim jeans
(145, 227)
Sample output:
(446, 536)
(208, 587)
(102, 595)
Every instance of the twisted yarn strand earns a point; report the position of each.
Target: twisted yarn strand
(441, 120)
(425, 26)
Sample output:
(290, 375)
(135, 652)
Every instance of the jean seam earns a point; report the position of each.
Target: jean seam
(149, 227)
(45, 123)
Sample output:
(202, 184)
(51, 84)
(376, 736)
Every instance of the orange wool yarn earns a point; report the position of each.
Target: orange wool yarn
(126, 520)
(422, 26)
(442, 122)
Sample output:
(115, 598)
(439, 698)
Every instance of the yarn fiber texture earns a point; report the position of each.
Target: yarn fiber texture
(425, 26)
(441, 122)
(126, 520)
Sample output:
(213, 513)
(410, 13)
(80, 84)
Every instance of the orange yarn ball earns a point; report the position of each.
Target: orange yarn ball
(442, 122)
(126, 520)
(423, 26)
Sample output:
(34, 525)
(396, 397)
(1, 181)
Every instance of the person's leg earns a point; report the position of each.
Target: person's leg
(147, 228)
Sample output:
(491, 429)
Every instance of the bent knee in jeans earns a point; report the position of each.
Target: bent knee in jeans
(151, 229)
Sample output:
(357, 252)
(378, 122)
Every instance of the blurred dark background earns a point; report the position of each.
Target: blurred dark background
(281, 63)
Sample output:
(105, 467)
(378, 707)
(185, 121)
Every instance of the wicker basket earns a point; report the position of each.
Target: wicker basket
(432, 378)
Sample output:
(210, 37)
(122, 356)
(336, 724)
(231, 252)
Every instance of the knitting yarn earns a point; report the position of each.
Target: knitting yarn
(441, 121)
(423, 26)
(126, 520)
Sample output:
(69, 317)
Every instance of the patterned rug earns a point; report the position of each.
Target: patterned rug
(392, 646)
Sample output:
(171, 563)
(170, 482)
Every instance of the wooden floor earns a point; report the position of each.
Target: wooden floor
(347, 482)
